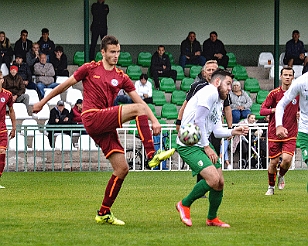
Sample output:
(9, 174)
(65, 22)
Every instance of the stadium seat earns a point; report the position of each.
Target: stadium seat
(41, 143)
(33, 96)
(78, 58)
(98, 56)
(170, 57)
(30, 127)
(261, 96)
(251, 85)
(63, 142)
(134, 72)
(186, 83)
(169, 111)
(152, 107)
(21, 112)
(4, 69)
(266, 59)
(232, 60)
(180, 72)
(43, 114)
(167, 85)
(53, 101)
(255, 109)
(194, 71)
(272, 72)
(125, 59)
(144, 59)
(239, 72)
(18, 143)
(73, 95)
(178, 97)
(85, 142)
(298, 69)
(159, 98)
(281, 57)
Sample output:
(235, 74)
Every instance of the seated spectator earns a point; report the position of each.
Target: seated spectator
(240, 102)
(44, 75)
(14, 83)
(76, 112)
(122, 98)
(25, 72)
(191, 51)
(161, 66)
(295, 51)
(59, 62)
(47, 46)
(214, 49)
(22, 45)
(144, 88)
(59, 116)
(33, 56)
(6, 50)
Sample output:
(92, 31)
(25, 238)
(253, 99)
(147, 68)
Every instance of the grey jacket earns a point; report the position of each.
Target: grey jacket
(44, 73)
(242, 100)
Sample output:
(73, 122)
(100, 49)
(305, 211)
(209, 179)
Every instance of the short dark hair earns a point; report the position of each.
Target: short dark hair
(108, 40)
(161, 46)
(23, 31)
(191, 32)
(59, 48)
(45, 30)
(144, 76)
(213, 32)
(287, 68)
(221, 73)
(295, 31)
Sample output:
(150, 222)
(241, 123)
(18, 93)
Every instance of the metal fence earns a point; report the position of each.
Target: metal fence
(73, 150)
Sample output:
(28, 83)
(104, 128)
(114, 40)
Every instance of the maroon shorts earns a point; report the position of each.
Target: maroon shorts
(3, 139)
(101, 125)
(277, 148)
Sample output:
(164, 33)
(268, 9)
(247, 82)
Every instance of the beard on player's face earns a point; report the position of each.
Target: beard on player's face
(223, 94)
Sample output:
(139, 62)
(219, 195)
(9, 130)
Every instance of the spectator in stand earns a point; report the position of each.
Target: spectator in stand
(33, 56)
(240, 102)
(295, 51)
(214, 49)
(25, 72)
(98, 27)
(59, 116)
(22, 45)
(191, 51)
(47, 46)
(44, 75)
(6, 50)
(76, 112)
(144, 88)
(14, 83)
(161, 66)
(122, 98)
(59, 62)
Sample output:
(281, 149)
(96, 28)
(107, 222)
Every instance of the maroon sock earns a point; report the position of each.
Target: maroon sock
(145, 135)
(271, 179)
(111, 193)
(282, 171)
(2, 163)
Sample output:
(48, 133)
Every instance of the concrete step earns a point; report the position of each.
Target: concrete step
(258, 72)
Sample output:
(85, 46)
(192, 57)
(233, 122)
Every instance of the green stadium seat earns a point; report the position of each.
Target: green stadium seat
(194, 71)
(180, 72)
(255, 109)
(261, 96)
(170, 57)
(169, 111)
(144, 59)
(159, 98)
(186, 83)
(98, 56)
(152, 107)
(232, 60)
(134, 72)
(167, 85)
(178, 97)
(125, 59)
(251, 85)
(152, 82)
(78, 58)
(239, 72)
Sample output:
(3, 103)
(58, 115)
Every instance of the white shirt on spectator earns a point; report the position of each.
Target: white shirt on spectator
(143, 89)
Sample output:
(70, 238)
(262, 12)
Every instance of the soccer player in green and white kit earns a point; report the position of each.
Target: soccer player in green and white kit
(298, 87)
(205, 109)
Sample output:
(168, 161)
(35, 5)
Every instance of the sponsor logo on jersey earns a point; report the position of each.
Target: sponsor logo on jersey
(2, 99)
(200, 163)
(294, 101)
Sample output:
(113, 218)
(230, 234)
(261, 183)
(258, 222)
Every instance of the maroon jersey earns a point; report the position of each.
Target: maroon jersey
(289, 117)
(101, 86)
(6, 98)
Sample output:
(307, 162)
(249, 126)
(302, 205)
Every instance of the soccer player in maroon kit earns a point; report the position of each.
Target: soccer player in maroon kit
(101, 84)
(280, 147)
(6, 99)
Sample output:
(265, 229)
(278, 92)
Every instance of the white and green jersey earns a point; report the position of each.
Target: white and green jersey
(298, 87)
(207, 97)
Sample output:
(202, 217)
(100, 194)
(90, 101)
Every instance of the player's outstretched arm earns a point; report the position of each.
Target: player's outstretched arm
(56, 91)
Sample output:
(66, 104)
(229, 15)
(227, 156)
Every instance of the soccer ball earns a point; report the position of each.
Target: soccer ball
(189, 134)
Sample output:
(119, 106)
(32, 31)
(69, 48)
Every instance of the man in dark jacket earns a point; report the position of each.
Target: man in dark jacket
(47, 46)
(191, 51)
(59, 62)
(214, 49)
(14, 83)
(161, 66)
(22, 45)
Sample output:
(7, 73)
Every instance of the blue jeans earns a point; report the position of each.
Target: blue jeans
(41, 86)
(197, 60)
(237, 115)
(122, 99)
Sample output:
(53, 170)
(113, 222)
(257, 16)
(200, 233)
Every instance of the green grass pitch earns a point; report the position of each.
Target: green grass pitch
(58, 208)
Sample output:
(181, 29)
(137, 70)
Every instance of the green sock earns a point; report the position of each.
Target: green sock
(215, 198)
(198, 191)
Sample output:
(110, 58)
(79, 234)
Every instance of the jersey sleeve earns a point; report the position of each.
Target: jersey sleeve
(128, 85)
(82, 72)
(266, 107)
